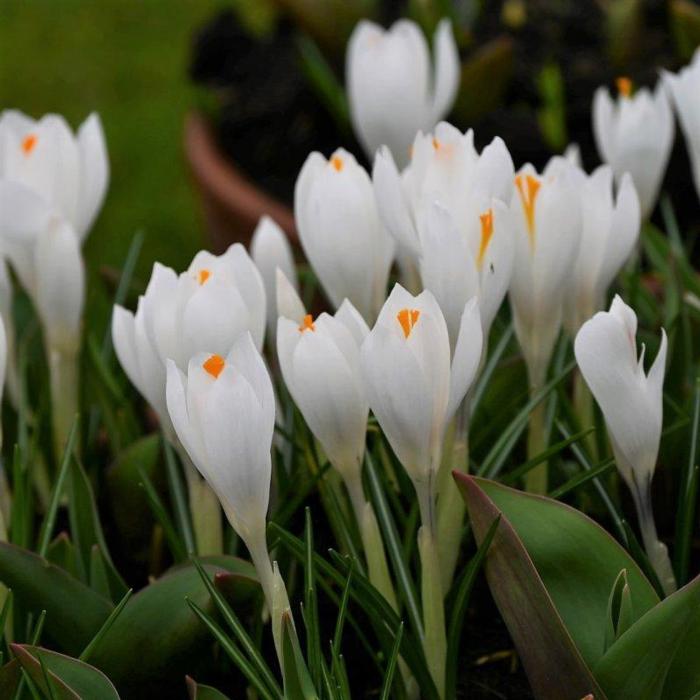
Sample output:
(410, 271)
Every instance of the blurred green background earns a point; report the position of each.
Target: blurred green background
(127, 60)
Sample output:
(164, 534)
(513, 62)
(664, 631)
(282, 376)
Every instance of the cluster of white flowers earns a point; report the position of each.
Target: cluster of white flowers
(464, 229)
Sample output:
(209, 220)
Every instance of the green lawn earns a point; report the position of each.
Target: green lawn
(126, 59)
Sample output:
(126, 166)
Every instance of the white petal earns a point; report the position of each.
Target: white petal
(467, 356)
(94, 173)
(289, 304)
(446, 71)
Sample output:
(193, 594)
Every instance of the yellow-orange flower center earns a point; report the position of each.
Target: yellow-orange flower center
(307, 324)
(28, 143)
(528, 187)
(214, 365)
(337, 163)
(486, 234)
(203, 276)
(624, 86)
(407, 318)
(436, 143)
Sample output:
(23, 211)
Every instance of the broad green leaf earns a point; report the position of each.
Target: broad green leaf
(80, 679)
(74, 611)
(538, 631)
(157, 632)
(197, 691)
(657, 657)
(577, 560)
(10, 675)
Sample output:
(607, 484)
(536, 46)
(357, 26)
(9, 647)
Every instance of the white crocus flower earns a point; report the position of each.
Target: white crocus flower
(632, 404)
(270, 250)
(43, 164)
(634, 135)
(341, 233)
(609, 233)
(685, 92)
(223, 411)
(547, 225)
(414, 388)
(207, 308)
(392, 88)
(289, 303)
(445, 168)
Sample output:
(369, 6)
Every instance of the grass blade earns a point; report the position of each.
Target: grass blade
(391, 666)
(177, 495)
(87, 652)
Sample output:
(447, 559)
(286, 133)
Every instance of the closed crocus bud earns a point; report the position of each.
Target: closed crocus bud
(341, 233)
(684, 88)
(320, 362)
(270, 250)
(632, 404)
(45, 162)
(634, 135)
(445, 168)
(609, 233)
(547, 227)
(413, 385)
(393, 89)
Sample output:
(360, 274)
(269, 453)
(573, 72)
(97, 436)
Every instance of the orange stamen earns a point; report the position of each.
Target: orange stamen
(624, 86)
(28, 143)
(407, 318)
(337, 163)
(214, 365)
(307, 324)
(486, 234)
(528, 186)
(203, 276)
(436, 143)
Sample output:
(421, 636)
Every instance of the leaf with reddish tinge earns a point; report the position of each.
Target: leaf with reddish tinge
(554, 666)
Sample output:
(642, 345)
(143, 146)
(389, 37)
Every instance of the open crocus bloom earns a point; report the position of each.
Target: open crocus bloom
(223, 411)
(685, 91)
(270, 250)
(609, 233)
(634, 135)
(341, 233)
(632, 404)
(206, 308)
(320, 362)
(412, 384)
(546, 218)
(46, 169)
(392, 88)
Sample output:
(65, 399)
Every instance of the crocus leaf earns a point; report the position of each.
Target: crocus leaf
(74, 612)
(554, 666)
(10, 675)
(69, 678)
(297, 681)
(61, 552)
(657, 657)
(197, 691)
(577, 561)
(157, 632)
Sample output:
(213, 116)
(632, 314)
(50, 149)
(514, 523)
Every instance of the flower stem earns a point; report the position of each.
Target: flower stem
(435, 637)
(64, 379)
(536, 479)
(450, 506)
(583, 406)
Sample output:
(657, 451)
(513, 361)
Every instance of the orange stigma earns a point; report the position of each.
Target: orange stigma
(307, 324)
(28, 143)
(407, 318)
(203, 276)
(337, 163)
(624, 86)
(486, 234)
(436, 144)
(214, 365)
(528, 187)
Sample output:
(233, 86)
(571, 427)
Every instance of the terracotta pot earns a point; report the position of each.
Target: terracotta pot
(232, 203)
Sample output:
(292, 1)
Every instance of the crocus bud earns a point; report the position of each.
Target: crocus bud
(43, 159)
(634, 135)
(684, 88)
(609, 233)
(413, 385)
(223, 412)
(546, 218)
(341, 233)
(320, 362)
(632, 405)
(270, 250)
(393, 89)
(58, 288)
